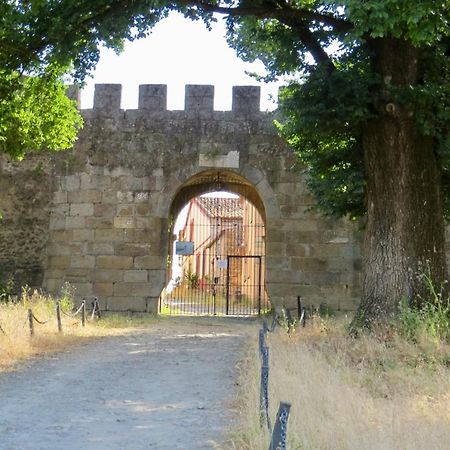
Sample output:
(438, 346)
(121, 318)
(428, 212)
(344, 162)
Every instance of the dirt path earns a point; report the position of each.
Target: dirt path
(165, 387)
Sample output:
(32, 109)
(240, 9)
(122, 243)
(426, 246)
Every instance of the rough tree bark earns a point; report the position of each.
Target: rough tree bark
(405, 226)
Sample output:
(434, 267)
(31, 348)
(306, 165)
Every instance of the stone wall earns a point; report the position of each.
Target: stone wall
(99, 216)
(25, 195)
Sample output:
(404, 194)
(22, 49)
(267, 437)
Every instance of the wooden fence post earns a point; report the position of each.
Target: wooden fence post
(299, 307)
(99, 314)
(58, 316)
(83, 313)
(30, 322)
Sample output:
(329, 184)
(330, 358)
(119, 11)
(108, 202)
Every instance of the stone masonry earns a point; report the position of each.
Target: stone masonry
(99, 216)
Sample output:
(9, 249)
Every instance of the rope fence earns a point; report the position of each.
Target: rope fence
(32, 319)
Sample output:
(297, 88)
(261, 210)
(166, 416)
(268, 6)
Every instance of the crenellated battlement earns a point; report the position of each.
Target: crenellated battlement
(153, 98)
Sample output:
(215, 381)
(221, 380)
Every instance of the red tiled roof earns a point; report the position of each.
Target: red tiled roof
(225, 208)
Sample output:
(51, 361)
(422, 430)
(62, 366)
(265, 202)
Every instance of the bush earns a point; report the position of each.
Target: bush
(431, 319)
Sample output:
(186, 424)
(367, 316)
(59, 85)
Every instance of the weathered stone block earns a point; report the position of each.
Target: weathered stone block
(308, 264)
(70, 183)
(124, 222)
(130, 183)
(58, 262)
(100, 248)
(81, 209)
(57, 222)
(123, 289)
(73, 222)
(109, 196)
(85, 196)
(72, 274)
(143, 209)
(125, 210)
(105, 210)
(99, 222)
(156, 279)
(83, 235)
(285, 276)
(277, 262)
(128, 249)
(60, 197)
(246, 99)
(135, 276)
(149, 262)
(199, 98)
(325, 250)
(114, 262)
(105, 235)
(308, 237)
(95, 182)
(60, 209)
(139, 235)
(105, 275)
(152, 304)
(84, 261)
(82, 289)
(61, 236)
(53, 286)
(143, 222)
(298, 250)
(276, 248)
(64, 248)
(122, 304)
(143, 289)
(153, 97)
(124, 196)
(107, 98)
(55, 273)
(276, 235)
(103, 289)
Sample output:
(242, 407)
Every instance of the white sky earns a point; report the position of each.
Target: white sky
(178, 52)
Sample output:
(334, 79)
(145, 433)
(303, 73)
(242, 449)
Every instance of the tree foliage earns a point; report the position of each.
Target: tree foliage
(327, 47)
(333, 95)
(370, 79)
(36, 114)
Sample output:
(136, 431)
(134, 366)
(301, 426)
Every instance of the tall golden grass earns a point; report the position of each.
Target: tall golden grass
(375, 392)
(16, 343)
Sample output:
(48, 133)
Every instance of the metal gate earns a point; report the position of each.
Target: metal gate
(218, 262)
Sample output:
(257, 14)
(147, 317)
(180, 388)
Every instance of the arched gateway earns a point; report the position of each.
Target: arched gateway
(100, 216)
(217, 254)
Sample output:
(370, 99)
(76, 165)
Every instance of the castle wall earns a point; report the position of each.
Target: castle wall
(98, 216)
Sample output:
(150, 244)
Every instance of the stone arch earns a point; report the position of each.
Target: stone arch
(249, 182)
(175, 189)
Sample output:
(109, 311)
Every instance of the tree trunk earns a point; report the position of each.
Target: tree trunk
(405, 233)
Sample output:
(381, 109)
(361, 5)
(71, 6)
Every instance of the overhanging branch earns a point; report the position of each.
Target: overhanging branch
(267, 11)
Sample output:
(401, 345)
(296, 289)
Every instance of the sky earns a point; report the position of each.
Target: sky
(178, 52)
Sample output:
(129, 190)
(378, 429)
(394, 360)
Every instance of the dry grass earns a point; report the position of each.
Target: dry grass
(375, 392)
(16, 344)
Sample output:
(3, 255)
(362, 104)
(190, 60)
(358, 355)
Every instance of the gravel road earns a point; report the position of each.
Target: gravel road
(168, 386)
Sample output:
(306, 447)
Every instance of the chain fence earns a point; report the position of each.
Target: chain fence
(287, 321)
